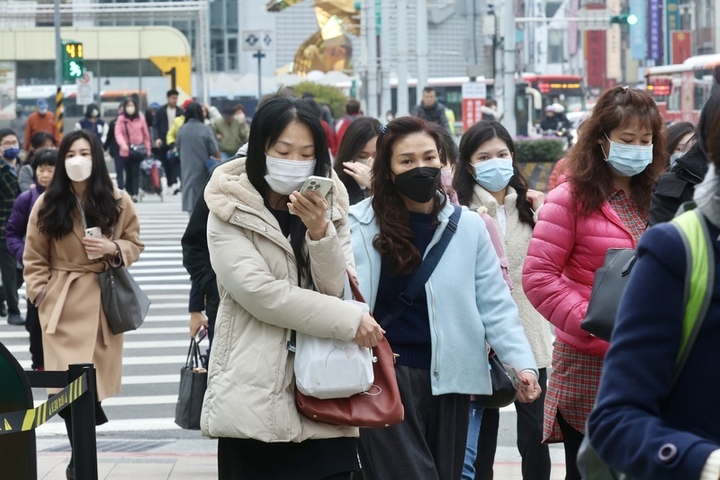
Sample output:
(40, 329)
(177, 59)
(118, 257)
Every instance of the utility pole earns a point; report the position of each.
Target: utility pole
(509, 121)
(422, 46)
(259, 55)
(58, 69)
(403, 105)
(385, 92)
(372, 65)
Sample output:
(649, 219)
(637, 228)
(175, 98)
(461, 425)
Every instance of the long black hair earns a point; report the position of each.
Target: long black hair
(194, 110)
(135, 104)
(703, 131)
(56, 217)
(358, 133)
(465, 181)
(267, 125)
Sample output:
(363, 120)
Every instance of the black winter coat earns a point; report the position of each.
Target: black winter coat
(677, 186)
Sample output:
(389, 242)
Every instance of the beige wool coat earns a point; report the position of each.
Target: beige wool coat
(251, 381)
(71, 316)
(515, 242)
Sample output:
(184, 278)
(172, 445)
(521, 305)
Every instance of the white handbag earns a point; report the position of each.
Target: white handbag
(329, 368)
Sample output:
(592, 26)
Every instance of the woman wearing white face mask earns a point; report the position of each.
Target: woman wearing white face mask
(487, 179)
(62, 262)
(604, 204)
(133, 139)
(353, 162)
(277, 272)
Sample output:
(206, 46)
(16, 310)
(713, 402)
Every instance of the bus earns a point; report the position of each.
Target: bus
(681, 90)
(533, 93)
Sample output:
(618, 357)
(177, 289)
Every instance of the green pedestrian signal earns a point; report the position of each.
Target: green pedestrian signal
(624, 19)
(72, 60)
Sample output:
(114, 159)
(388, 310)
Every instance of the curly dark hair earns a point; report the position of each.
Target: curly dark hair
(464, 179)
(588, 171)
(56, 217)
(395, 240)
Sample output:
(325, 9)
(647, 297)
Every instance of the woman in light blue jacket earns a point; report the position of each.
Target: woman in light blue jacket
(440, 337)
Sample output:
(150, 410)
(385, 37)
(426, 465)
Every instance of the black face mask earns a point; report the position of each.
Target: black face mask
(419, 184)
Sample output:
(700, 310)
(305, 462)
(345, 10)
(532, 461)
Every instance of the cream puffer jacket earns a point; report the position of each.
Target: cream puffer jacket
(251, 384)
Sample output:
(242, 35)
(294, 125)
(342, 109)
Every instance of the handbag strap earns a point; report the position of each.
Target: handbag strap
(422, 275)
(193, 355)
(127, 132)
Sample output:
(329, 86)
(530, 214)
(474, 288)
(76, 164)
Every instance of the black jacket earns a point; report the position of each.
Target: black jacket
(435, 114)
(677, 186)
(161, 126)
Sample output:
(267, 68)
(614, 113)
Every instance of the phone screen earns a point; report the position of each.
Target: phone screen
(202, 333)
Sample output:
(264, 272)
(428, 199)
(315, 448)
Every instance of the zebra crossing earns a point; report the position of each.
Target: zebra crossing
(154, 354)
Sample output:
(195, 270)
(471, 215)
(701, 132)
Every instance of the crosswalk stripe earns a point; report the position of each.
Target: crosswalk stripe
(125, 425)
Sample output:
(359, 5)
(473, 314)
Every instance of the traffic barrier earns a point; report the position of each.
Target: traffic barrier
(19, 419)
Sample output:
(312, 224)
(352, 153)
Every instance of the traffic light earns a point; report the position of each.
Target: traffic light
(624, 19)
(72, 60)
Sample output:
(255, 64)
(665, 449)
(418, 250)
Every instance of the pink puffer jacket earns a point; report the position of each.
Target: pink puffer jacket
(565, 251)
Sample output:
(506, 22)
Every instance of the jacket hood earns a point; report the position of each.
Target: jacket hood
(230, 188)
(484, 197)
(692, 166)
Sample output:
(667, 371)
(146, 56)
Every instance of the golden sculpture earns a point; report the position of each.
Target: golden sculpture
(329, 48)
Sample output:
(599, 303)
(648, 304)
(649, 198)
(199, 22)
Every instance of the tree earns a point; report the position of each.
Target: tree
(333, 96)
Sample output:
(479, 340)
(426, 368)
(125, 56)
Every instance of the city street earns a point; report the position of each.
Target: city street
(141, 437)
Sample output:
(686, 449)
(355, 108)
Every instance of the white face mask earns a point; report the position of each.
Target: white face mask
(286, 176)
(130, 110)
(78, 168)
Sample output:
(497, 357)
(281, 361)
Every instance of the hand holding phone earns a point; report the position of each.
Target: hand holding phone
(321, 186)
(94, 232)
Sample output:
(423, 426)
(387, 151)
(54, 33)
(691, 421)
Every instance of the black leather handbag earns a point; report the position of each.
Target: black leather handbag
(504, 391)
(608, 287)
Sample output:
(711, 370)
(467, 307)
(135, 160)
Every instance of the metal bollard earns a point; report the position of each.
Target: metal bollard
(83, 424)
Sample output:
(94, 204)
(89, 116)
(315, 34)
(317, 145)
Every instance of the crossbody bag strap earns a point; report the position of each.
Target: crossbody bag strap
(422, 275)
(127, 132)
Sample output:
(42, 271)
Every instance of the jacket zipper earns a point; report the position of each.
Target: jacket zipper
(437, 333)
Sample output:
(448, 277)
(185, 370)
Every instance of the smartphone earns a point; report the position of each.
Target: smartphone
(94, 232)
(201, 333)
(515, 377)
(320, 185)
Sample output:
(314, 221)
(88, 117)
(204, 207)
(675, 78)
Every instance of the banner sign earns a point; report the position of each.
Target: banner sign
(655, 37)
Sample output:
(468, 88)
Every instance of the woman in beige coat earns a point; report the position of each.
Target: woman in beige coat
(62, 263)
(487, 179)
(277, 272)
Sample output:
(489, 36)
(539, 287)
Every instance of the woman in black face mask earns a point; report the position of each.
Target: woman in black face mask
(439, 333)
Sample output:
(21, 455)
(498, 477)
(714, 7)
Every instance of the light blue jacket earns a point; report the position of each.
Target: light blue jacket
(468, 302)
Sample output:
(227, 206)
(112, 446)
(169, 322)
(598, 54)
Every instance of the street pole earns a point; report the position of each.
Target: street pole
(385, 92)
(372, 65)
(509, 121)
(403, 105)
(58, 69)
(259, 55)
(422, 46)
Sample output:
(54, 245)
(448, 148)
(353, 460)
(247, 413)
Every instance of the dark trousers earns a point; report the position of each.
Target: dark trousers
(535, 455)
(429, 444)
(66, 414)
(132, 175)
(571, 441)
(32, 325)
(120, 171)
(170, 166)
(8, 270)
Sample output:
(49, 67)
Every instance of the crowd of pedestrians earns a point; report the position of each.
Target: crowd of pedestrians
(499, 266)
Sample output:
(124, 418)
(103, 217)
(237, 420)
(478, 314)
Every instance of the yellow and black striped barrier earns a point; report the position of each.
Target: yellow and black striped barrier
(24, 420)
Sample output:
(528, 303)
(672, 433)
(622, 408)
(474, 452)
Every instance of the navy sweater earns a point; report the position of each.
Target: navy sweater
(637, 427)
(409, 335)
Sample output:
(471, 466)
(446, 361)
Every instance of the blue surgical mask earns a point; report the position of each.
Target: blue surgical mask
(674, 158)
(11, 153)
(494, 174)
(628, 160)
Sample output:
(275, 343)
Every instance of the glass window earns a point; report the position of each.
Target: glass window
(232, 45)
(556, 46)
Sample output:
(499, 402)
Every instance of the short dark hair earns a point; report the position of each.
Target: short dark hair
(428, 89)
(6, 132)
(172, 91)
(352, 107)
(44, 156)
(491, 102)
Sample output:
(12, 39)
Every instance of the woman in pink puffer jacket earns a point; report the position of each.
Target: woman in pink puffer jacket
(604, 204)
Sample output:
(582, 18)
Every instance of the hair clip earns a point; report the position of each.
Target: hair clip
(383, 128)
(625, 88)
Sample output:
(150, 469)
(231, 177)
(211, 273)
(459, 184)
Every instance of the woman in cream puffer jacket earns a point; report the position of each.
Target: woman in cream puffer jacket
(276, 273)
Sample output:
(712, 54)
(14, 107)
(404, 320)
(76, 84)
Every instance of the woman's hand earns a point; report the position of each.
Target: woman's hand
(197, 320)
(360, 172)
(311, 209)
(535, 199)
(99, 246)
(369, 333)
(530, 390)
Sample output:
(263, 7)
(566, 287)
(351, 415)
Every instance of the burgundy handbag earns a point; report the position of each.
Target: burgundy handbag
(379, 407)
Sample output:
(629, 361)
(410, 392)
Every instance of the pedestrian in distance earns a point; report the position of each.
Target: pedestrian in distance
(603, 204)
(653, 421)
(9, 190)
(487, 178)
(26, 174)
(678, 185)
(430, 109)
(196, 144)
(43, 166)
(231, 130)
(352, 113)
(111, 146)
(62, 262)
(440, 338)
(277, 272)
(133, 139)
(353, 162)
(679, 140)
(92, 122)
(163, 120)
(41, 120)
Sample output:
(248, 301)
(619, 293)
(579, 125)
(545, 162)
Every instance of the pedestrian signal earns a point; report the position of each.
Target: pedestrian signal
(624, 19)
(72, 60)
